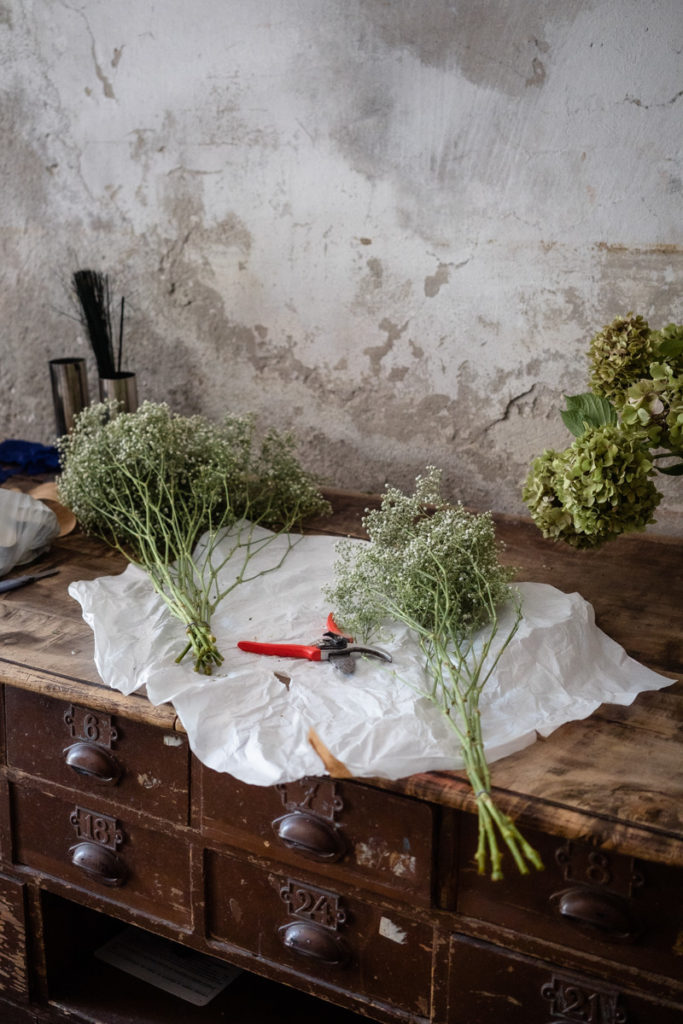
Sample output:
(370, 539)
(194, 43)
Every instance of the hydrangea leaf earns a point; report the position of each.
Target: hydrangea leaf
(670, 342)
(585, 411)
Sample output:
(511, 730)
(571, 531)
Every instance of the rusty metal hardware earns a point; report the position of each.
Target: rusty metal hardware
(99, 863)
(310, 940)
(597, 911)
(93, 761)
(310, 836)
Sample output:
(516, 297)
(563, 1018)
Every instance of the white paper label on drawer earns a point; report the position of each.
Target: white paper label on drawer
(173, 741)
(389, 930)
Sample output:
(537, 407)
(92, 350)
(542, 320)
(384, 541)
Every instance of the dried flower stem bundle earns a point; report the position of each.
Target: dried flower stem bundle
(460, 672)
(434, 567)
(94, 298)
(151, 483)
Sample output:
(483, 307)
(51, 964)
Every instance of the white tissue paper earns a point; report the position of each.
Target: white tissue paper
(27, 528)
(252, 717)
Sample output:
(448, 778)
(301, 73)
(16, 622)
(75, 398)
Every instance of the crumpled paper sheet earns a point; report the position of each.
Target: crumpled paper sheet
(246, 721)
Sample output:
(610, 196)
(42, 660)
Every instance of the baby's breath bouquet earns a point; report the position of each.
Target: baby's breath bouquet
(434, 567)
(629, 426)
(151, 482)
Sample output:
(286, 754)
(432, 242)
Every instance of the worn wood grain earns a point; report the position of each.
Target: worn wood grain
(615, 778)
(94, 695)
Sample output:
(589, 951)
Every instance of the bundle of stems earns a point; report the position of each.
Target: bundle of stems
(434, 567)
(185, 573)
(459, 665)
(94, 299)
(181, 497)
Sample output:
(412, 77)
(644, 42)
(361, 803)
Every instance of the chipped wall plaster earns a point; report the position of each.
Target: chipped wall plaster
(392, 227)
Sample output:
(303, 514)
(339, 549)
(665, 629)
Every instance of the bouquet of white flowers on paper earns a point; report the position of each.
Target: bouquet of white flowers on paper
(151, 483)
(434, 567)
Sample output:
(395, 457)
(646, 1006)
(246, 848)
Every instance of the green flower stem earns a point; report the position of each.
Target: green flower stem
(458, 677)
(492, 821)
(434, 567)
(151, 484)
(461, 688)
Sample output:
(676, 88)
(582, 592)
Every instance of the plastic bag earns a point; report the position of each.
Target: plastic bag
(27, 528)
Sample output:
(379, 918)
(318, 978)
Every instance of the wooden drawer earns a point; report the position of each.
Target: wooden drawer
(336, 940)
(121, 860)
(138, 765)
(13, 962)
(606, 904)
(354, 831)
(488, 985)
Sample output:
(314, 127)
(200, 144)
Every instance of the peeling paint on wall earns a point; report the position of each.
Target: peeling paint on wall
(390, 228)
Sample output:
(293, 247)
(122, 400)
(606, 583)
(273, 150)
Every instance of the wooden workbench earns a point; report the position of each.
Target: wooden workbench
(359, 892)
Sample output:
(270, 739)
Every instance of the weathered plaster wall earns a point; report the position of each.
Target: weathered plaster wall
(391, 225)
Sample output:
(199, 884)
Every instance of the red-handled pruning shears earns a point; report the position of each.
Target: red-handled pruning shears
(333, 646)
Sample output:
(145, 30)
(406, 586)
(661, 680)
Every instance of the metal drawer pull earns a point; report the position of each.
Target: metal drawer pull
(94, 761)
(99, 863)
(308, 939)
(310, 836)
(598, 911)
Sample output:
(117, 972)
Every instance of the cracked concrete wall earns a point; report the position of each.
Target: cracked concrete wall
(392, 227)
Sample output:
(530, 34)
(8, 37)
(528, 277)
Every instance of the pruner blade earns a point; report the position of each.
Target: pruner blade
(333, 646)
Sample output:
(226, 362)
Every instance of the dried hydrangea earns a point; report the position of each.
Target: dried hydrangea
(595, 490)
(542, 494)
(620, 354)
(435, 567)
(668, 346)
(150, 483)
(601, 486)
(654, 406)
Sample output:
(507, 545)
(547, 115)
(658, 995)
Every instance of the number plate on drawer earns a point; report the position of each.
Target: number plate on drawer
(335, 939)
(113, 758)
(614, 906)
(86, 846)
(350, 828)
(491, 986)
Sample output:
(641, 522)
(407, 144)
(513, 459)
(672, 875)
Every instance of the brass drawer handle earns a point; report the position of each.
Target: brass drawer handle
(310, 836)
(311, 940)
(99, 863)
(93, 761)
(597, 912)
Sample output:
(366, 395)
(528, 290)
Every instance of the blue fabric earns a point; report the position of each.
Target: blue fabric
(27, 457)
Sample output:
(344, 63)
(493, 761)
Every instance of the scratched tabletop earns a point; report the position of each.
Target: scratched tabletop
(615, 778)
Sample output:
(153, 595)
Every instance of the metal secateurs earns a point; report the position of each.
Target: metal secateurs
(333, 646)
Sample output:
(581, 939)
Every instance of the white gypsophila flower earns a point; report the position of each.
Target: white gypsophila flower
(151, 482)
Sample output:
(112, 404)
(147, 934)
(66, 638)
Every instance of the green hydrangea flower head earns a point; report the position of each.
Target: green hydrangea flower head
(540, 493)
(668, 346)
(654, 406)
(597, 489)
(619, 355)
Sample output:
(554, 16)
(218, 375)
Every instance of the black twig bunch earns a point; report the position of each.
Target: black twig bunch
(94, 297)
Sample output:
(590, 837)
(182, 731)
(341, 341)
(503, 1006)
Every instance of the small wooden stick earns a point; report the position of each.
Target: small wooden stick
(337, 769)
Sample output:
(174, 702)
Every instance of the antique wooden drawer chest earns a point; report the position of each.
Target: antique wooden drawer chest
(358, 893)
